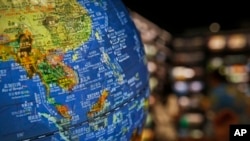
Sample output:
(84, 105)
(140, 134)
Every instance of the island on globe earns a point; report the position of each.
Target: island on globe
(70, 70)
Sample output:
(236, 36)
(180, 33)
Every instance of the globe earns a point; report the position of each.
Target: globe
(70, 70)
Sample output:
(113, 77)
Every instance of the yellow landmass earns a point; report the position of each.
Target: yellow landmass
(31, 30)
(65, 24)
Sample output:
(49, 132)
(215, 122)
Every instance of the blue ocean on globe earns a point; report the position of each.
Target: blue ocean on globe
(71, 70)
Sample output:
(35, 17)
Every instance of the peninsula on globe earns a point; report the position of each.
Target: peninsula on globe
(71, 70)
(38, 34)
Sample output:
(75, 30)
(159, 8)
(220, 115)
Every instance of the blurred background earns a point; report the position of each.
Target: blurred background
(199, 62)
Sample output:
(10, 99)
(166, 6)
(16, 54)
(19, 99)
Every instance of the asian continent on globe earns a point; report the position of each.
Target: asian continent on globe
(70, 70)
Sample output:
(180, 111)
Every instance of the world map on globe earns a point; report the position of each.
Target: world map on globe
(70, 70)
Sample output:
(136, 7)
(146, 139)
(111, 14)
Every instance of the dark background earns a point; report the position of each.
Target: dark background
(178, 17)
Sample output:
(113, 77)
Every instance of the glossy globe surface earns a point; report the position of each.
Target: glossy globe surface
(70, 70)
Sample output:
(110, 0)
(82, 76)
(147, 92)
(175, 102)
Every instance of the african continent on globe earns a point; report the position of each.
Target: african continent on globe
(70, 70)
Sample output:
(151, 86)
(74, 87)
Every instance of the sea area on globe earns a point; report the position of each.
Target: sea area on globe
(71, 70)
